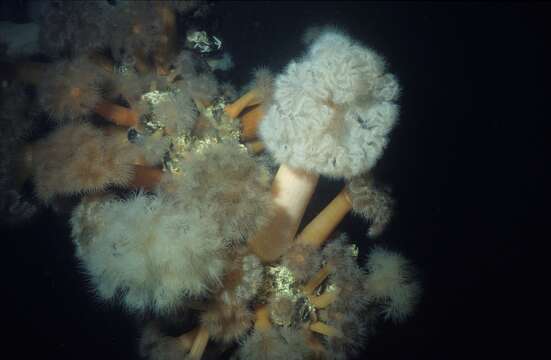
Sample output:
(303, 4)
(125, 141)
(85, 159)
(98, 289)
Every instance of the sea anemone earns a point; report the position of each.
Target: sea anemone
(361, 196)
(371, 202)
(79, 158)
(391, 282)
(326, 116)
(210, 231)
(203, 88)
(322, 121)
(302, 259)
(176, 111)
(234, 188)
(137, 249)
(346, 275)
(154, 148)
(71, 89)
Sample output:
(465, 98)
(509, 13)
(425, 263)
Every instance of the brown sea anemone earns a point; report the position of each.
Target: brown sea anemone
(79, 158)
(70, 89)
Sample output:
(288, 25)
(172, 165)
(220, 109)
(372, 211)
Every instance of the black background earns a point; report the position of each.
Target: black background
(465, 162)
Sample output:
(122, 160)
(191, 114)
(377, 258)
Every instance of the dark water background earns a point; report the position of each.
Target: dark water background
(465, 163)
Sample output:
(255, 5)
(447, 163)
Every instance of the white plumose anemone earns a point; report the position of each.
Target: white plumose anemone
(150, 251)
(332, 110)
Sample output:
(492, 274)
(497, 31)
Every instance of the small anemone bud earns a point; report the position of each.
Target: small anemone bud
(391, 281)
(253, 275)
(154, 146)
(282, 310)
(175, 110)
(227, 323)
(302, 260)
(372, 203)
(244, 277)
(347, 276)
(128, 84)
(203, 88)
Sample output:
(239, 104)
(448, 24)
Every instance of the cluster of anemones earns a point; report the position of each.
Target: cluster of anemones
(175, 214)
(329, 114)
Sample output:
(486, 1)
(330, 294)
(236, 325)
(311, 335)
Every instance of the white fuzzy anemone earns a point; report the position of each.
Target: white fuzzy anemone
(332, 110)
(391, 281)
(148, 250)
